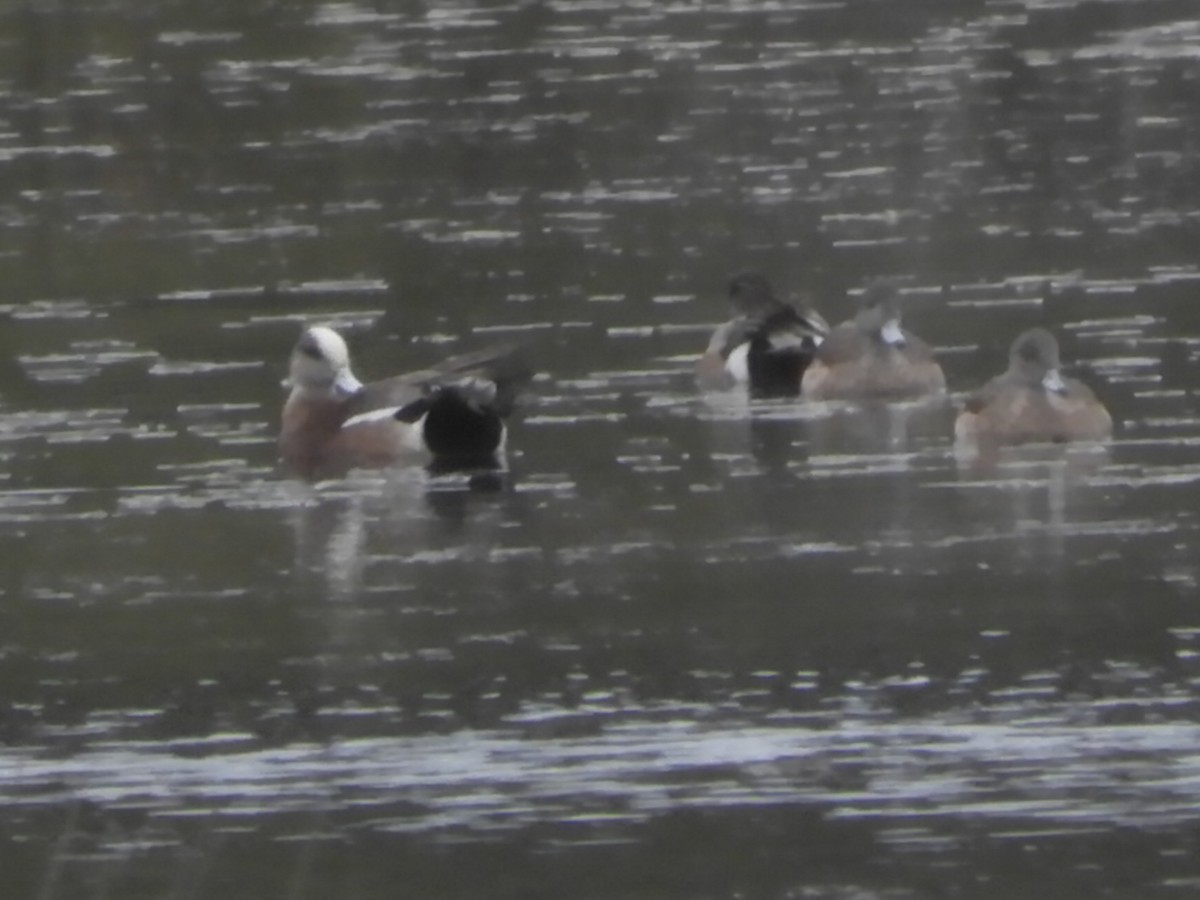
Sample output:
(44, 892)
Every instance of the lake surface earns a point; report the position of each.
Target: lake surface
(687, 646)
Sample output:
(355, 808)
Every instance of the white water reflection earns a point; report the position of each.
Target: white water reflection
(1050, 768)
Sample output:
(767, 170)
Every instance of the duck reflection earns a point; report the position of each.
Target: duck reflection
(1036, 497)
(878, 427)
(776, 444)
(780, 435)
(768, 432)
(404, 510)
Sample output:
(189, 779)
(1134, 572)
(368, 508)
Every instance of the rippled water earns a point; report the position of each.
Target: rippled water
(689, 646)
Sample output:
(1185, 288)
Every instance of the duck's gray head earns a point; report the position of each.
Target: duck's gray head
(879, 313)
(1034, 358)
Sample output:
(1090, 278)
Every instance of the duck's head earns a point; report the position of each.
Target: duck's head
(879, 314)
(750, 293)
(321, 363)
(1034, 359)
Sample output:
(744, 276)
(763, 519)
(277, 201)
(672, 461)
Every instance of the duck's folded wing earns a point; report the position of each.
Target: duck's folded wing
(787, 326)
(812, 322)
(497, 361)
(504, 366)
(984, 397)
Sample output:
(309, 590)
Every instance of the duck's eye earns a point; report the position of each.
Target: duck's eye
(310, 349)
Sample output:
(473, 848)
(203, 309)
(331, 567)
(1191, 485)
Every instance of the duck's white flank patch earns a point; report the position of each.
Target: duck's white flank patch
(414, 435)
(786, 340)
(738, 363)
(375, 415)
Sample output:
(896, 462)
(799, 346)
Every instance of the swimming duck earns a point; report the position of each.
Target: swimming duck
(451, 415)
(766, 347)
(1032, 402)
(872, 357)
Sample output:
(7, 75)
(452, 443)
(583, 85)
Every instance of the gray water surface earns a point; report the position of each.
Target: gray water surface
(686, 646)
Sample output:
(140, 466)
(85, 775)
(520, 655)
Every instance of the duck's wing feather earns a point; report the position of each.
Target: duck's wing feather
(782, 328)
(503, 366)
(982, 398)
(787, 328)
(842, 345)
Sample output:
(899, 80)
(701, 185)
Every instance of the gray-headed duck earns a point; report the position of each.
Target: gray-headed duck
(1033, 402)
(872, 357)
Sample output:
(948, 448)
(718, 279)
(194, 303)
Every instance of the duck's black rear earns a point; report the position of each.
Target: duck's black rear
(458, 430)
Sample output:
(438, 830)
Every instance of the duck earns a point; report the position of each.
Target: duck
(1033, 402)
(872, 356)
(766, 347)
(451, 416)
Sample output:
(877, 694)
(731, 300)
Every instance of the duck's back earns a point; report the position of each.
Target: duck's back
(851, 365)
(1007, 412)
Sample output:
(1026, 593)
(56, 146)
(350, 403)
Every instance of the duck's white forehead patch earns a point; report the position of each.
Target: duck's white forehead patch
(332, 346)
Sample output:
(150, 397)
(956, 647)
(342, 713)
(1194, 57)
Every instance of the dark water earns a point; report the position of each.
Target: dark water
(689, 646)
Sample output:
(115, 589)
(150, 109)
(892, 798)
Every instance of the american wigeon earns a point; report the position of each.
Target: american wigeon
(1032, 402)
(766, 347)
(873, 357)
(451, 415)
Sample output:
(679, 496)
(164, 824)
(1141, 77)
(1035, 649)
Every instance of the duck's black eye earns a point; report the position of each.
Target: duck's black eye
(310, 349)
